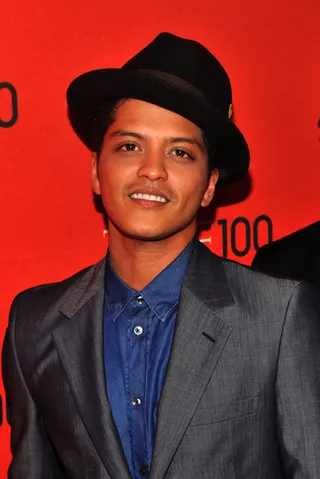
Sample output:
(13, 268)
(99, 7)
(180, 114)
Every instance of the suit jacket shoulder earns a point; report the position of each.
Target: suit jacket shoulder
(37, 299)
(219, 282)
(36, 312)
(256, 290)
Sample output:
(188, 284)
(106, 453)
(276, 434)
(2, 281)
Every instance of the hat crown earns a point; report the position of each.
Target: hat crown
(191, 62)
(174, 73)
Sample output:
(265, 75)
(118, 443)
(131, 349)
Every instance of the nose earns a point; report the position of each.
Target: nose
(153, 166)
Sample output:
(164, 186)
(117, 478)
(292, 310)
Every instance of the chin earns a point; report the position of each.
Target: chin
(158, 234)
(146, 233)
(142, 231)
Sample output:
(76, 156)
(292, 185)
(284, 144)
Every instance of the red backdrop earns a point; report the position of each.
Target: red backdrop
(50, 227)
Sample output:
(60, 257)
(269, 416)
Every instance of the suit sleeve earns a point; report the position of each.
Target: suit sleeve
(32, 454)
(298, 385)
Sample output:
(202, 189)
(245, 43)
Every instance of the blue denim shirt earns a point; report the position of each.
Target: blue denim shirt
(138, 331)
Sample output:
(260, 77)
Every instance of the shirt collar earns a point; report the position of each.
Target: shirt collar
(161, 294)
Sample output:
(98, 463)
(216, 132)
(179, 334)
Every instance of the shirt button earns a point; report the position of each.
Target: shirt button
(136, 402)
(138, 330)
(140, 299)
(143, 471)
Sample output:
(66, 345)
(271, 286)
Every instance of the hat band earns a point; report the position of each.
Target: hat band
(172, 80)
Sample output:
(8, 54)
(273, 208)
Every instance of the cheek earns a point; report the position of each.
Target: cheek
(193, 187)
(114, 181)
(111, 180)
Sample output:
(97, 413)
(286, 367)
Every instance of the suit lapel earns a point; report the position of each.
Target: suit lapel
(199, 339)
(79, 342)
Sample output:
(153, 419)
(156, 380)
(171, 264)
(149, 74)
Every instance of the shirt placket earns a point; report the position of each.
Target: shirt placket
(136, 391)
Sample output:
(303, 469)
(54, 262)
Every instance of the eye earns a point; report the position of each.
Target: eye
(128, 147)
(182, 154)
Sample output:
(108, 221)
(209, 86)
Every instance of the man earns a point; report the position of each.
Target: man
(296, 256)
(163, 360)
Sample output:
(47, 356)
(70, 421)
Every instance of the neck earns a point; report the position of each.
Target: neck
(138, 262)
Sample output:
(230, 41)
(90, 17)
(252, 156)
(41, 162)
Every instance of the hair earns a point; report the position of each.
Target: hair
(210, 152)
(109, 112)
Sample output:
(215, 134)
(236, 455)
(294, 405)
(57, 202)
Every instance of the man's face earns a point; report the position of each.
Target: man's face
(152, 173)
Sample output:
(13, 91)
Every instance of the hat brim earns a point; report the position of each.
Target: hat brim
(88, 93)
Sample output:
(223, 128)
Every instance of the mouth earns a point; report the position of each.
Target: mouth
(148, 197)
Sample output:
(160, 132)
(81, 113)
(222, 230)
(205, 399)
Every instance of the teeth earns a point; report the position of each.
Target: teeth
(144, 196)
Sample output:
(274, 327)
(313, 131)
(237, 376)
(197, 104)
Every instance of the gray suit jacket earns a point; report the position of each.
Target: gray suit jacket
(241, 397)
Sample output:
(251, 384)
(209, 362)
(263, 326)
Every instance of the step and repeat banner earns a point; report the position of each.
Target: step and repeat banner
(50, 227)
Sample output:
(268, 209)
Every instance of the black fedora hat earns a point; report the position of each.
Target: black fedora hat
(174, 73)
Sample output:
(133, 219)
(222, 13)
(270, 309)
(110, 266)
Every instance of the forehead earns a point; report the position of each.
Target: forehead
(140, 114)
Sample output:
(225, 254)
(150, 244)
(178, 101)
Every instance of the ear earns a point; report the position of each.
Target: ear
(209, 193)
(95, 174)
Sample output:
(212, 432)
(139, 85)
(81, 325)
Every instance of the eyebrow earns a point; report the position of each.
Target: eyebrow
(182, 139)
(128, 133)
(171, 139)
